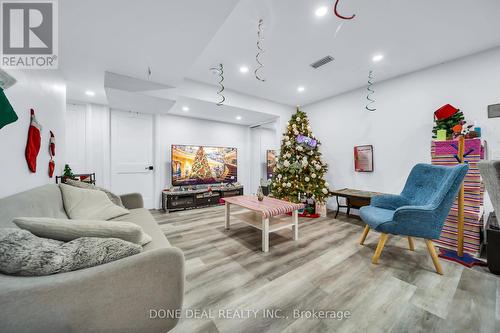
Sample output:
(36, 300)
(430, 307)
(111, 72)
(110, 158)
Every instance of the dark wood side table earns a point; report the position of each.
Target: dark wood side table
(83, 177)
(354, 198)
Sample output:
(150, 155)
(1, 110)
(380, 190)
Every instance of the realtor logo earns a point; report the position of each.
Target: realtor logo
(29, 34)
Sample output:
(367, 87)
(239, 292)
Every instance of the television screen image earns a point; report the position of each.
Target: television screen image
(271, 162)
(195, 165)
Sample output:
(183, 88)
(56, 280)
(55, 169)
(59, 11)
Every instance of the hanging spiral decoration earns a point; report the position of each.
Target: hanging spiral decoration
(370, 92)
(220, 73)
(339, 15)
(260, 50)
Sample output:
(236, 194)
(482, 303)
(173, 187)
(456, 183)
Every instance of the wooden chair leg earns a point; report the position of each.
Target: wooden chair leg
(380, 247)
(365, 233)
(435, 259)
(411, 244)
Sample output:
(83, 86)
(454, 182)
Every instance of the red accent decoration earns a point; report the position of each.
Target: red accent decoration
(52, 145)
(52, 166)
(444, 112)
(341, 16)
(34, 142)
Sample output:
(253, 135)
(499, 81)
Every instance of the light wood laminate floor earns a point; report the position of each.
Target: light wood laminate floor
(326, 269)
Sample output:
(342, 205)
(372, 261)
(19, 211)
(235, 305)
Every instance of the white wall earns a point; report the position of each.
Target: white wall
(183, 130)
(45, 92)
(400, 129)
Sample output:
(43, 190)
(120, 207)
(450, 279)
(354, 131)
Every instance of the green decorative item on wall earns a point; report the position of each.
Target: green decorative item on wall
(300, 172)
(7, 113)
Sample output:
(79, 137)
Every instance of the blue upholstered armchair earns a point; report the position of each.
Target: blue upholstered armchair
(419, 211)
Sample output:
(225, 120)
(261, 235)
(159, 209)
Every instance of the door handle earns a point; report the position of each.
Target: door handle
(151, 168)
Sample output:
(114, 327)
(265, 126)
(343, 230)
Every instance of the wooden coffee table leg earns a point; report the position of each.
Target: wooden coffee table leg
(265, 235)
(228, 213)
(295, 216)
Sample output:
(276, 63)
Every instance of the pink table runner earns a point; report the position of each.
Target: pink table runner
(268, 207)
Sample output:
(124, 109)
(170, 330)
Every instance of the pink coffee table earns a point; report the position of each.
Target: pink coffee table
(266, 215)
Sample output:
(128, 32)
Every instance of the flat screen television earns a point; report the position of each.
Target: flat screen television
(196, 165)
(271, 156)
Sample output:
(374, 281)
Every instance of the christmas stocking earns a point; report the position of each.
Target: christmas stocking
(52, 153)
(34, 141)
(7, 114)
(52, 166)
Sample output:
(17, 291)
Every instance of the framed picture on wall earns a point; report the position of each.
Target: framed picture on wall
(363, 158)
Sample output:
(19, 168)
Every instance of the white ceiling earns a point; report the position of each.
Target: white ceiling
(183, 39)
(126, 37)
(224, 113)
(412, 34)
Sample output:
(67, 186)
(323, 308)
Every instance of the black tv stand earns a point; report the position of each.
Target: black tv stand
(197, 198)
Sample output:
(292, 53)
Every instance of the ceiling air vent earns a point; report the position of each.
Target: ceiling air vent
(321, 62)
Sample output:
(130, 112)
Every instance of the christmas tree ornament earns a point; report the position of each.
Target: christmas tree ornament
(370, 93)
(260, 50)
(219, 71)
(7, 113)
(34, 142)
(306, 141)
(336, 12)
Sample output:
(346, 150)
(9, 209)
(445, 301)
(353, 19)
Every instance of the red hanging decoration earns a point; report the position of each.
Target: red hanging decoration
(52, 145)
(52, 167)
(34, 142)
(52, 153)
(339, 15)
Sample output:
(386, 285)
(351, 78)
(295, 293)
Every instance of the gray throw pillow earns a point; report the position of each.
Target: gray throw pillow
(67, 230)
(113, 197)
(82, 203)
(24, 254)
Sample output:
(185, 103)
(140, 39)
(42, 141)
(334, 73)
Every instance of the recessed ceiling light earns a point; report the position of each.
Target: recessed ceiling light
(244, 69)
(238, 117)
(301, 89)
(90, 93)
(378, 57)
(185, 108)
(321, 11)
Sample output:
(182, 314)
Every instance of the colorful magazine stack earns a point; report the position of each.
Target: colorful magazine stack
(444, 153)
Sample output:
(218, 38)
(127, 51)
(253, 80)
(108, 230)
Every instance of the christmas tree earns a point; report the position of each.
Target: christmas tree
(201, 168)
(68, 173)
(300, 170)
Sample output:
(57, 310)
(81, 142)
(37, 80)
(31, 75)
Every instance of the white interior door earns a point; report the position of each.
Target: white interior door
(132, 154)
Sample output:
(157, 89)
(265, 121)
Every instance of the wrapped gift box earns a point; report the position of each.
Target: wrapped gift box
(443, 153)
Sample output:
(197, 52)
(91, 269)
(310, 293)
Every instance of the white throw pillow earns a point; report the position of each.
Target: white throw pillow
(67, 230)
(81, 203)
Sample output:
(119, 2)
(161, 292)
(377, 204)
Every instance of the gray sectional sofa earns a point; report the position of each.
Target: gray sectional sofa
(114, 297)
(490, 171)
